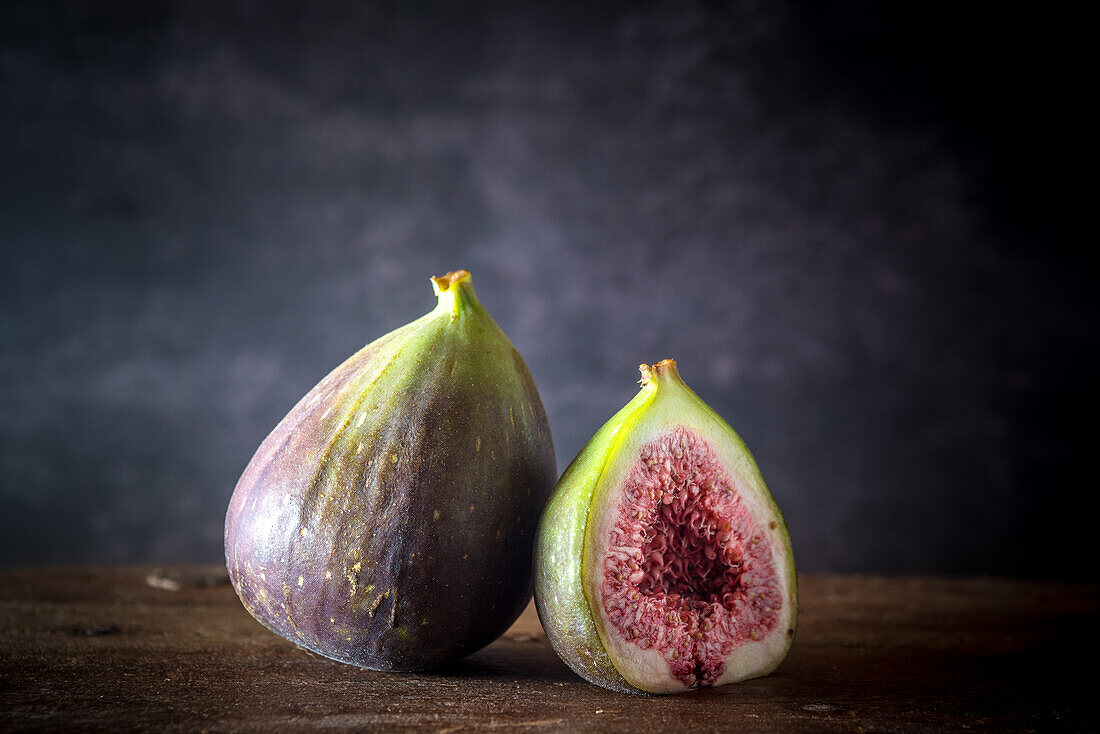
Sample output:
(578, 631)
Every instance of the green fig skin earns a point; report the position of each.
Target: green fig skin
(387, 521)
(565, 594)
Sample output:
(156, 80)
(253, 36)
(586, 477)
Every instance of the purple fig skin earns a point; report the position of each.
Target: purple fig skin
(388, 521)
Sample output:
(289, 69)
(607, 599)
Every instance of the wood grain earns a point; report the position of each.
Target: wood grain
(137, 648)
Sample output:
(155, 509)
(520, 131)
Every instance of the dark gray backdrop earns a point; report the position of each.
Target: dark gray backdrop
(851, 226)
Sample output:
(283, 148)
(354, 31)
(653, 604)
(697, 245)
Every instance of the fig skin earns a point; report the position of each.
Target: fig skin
(565, 568)
(388, 520)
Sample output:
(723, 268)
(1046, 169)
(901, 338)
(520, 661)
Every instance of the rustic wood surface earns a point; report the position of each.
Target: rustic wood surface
(139, 648)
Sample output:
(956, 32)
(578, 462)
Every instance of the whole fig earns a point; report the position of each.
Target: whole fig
(662, 562)
(388, 520)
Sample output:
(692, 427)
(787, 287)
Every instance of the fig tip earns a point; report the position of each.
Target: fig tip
(443, 283)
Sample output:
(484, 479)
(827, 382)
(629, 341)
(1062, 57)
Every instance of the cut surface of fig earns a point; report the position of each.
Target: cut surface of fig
(685, 571)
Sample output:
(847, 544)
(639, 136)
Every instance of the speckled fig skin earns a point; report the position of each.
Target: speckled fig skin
(564, 540)
(388, 520)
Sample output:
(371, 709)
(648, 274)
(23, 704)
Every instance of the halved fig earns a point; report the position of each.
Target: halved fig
(662, 563)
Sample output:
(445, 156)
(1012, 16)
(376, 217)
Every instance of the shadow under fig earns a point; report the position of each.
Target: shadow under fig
(512, 657)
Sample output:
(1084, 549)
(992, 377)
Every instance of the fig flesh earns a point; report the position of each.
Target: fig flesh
(387, 521)
(662, 562)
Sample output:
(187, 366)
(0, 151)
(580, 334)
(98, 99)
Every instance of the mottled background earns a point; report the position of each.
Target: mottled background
(852, 224)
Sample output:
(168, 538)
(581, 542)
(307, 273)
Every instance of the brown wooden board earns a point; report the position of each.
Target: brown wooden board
(138, 648)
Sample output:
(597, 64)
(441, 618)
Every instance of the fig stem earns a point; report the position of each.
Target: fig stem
(663, 371)
(444, 282)
(455, 292)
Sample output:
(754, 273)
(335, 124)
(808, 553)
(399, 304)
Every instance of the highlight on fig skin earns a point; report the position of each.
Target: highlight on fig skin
(680, 569)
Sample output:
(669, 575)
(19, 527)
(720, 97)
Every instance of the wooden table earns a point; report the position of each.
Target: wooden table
(132, 648)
